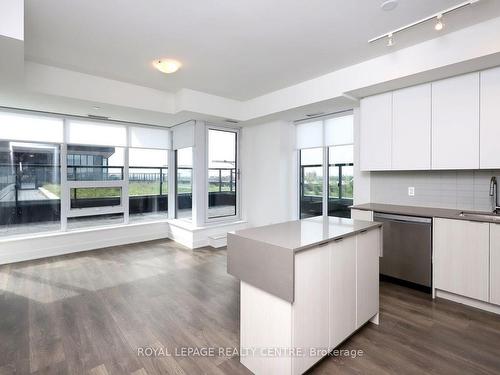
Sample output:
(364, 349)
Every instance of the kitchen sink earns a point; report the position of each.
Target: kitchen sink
(489, 216)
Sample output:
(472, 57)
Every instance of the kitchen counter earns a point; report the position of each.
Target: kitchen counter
(264, 256)
(444, 213)
(302, 234)
(305, 286)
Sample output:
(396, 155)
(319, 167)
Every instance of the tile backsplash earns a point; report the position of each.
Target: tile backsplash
(466, 190)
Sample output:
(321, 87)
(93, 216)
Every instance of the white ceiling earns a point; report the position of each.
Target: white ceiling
(239, 49)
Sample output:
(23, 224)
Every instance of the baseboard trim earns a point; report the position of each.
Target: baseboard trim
(495, 309)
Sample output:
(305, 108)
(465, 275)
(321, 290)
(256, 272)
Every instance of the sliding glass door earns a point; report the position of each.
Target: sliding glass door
(326, 166)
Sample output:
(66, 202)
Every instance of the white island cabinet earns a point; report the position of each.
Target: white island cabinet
(306, 286)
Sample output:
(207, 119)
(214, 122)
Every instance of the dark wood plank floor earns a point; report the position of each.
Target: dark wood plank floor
(88, 313)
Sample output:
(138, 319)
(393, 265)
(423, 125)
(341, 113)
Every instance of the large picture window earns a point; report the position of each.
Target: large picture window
(222, 173)
(29, 187)
(113, 173)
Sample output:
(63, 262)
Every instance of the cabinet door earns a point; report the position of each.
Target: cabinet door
(411, 128)
(495, 263)
(376, 132)
(490, 118)
(461, 257)
(342, 290)
(455, 123)
(367, 275)
(311, 305)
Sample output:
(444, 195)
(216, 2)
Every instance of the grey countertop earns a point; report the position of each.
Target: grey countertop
(445, 213)
(265, 256)
(302, 234)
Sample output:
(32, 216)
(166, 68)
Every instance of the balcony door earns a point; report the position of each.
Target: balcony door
(222, 174)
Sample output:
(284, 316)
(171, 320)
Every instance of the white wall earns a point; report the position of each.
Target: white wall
(269, 173)
(362, 182)
(12, 19)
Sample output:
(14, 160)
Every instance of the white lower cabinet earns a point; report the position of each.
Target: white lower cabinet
(310, 308)
(342, 290)
(336, 292)
(495, 263)
(367, 275)
(461, 257)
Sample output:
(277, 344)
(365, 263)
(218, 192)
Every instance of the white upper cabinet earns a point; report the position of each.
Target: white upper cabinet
(376, 132)
(455, 123)
(411, 128)
(490, 118)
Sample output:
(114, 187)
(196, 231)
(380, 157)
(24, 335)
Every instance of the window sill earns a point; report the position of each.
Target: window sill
(59, 233)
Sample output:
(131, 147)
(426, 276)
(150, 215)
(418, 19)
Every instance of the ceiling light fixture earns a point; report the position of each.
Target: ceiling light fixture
(439, 23)
(167, 65)
(389, 5)
(390, 40)
(437, 16)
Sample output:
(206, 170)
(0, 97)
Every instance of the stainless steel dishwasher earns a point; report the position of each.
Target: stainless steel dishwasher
(407, 249)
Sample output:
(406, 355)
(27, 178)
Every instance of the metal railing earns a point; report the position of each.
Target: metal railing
(35, 175)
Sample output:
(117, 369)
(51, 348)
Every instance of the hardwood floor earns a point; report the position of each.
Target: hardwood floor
(88, 313)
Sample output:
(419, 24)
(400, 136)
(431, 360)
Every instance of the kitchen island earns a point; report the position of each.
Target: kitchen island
(306, 286)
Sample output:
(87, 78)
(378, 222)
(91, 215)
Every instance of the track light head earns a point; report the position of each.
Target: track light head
(390, 40)
(439, 23)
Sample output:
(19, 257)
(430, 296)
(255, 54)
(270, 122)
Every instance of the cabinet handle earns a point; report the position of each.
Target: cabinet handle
(363, 231)
(323, 244)
(338, 239)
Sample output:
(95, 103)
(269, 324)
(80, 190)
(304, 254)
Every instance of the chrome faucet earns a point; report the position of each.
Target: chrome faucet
(494, 194)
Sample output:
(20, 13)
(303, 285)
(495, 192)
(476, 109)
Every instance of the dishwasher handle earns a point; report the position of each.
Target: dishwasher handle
(401, 218)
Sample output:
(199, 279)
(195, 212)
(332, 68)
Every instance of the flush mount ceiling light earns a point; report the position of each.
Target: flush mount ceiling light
(439, 23)
(167, 65)
(438, 26)
(389, 5)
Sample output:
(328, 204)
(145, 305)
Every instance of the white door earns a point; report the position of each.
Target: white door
(367, 275)
(411, 128)
(461, 257)
(311, 306)
(342, 290)
(376, 132)
(455, 123)
(490, 118)
(495, 263)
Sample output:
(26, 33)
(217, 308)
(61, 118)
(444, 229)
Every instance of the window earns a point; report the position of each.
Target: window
(148, 184)
(184, 182)
(311, 182)
(222, 173)
(340, 180)
(30, 190)
(95, 163)
(95, 176)
(326, 147)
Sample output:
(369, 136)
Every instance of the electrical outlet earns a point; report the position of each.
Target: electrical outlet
(411, 191)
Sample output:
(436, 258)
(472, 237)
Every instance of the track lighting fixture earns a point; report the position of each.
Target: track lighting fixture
(439, 25)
